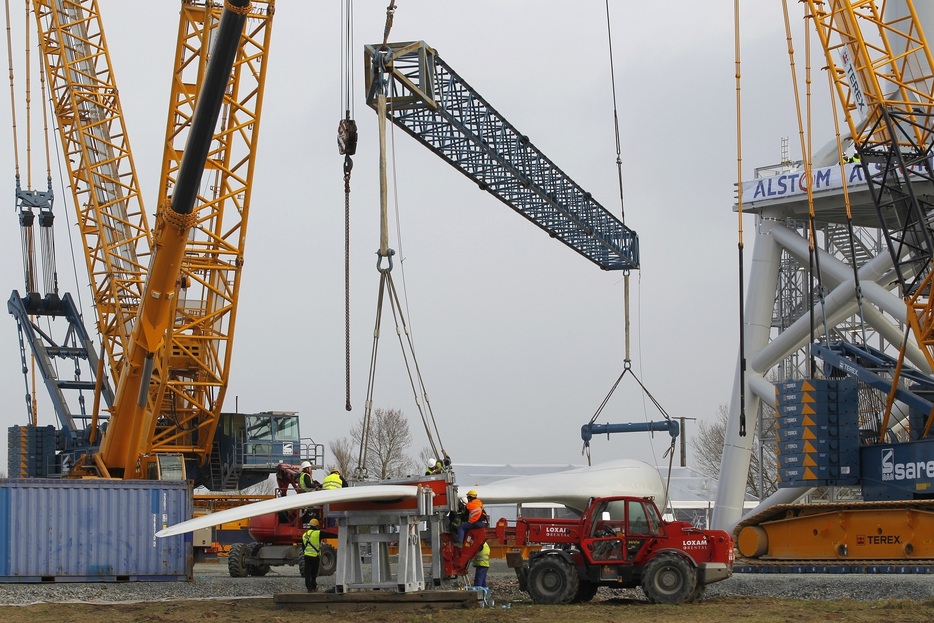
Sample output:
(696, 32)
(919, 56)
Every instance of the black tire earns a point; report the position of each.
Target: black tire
(585, 592)
(668, 579)
(256, 569)
(236, 560)
(327, 563)
(301, 566)
(698, 593)
(552, 580)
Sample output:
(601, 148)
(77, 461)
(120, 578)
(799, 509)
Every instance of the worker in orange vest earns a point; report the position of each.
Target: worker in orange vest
(476, 517)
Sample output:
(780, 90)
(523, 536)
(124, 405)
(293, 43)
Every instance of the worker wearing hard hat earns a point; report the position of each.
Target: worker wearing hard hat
(305, 481)
(311, 541)
(476, 517)
(334, 480)
(433, 466)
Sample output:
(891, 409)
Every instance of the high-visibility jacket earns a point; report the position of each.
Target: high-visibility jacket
(332, 481)
(312, 542)
(482, 559)
(474, 510)
(306, 482)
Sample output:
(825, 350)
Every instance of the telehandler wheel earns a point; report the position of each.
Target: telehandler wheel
(552, 581)
(698, 593)
(236, 560)
(256, 569)
(327, 560)
(585, 592)
(668, 579)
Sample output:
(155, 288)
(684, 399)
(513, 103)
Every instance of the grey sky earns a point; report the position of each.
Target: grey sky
(518, 338)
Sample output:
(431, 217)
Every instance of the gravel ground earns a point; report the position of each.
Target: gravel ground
(212, 581)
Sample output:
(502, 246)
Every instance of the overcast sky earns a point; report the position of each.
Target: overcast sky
(518, 338)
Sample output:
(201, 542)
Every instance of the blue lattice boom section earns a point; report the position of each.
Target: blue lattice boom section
(428, 100)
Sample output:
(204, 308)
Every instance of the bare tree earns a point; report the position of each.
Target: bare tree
(388, 441)
(342, 451)
(708, 450)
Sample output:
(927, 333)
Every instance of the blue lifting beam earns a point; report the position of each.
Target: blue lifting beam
(428, 100)
(589, 430)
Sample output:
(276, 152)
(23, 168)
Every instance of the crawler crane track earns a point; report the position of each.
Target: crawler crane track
(852, 537)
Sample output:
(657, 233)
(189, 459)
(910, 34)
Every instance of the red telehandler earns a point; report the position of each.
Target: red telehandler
(277, 537)
(618, 542)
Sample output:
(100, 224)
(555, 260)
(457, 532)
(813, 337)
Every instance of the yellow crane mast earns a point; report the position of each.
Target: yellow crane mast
(882, 68)
(105, 186)
(185, 401)
(171, 389)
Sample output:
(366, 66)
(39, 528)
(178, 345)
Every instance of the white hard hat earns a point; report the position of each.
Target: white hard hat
(431, 461)
(305, 464)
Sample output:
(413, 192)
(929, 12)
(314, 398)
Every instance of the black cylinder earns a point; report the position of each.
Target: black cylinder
(209, 105)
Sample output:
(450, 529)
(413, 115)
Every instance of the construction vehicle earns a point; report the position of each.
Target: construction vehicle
(165, 299)
(213, 542)
(833, 431)
(618, 542)
(277, 537)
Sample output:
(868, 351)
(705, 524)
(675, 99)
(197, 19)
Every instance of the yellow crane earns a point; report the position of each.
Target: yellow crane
(882, 74)
(166, 300)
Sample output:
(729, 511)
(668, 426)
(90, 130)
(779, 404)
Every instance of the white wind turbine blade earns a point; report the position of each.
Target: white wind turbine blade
(301, 500)
(575, 487)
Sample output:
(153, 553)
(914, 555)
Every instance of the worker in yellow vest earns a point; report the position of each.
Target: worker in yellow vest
(305, 481)
(481, 563)
(311, 540)
(334, 480)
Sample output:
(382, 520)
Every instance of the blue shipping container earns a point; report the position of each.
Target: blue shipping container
(93, 530)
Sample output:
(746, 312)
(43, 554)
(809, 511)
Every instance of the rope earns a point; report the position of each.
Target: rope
(627, 362)
(347, 146)
(387, 286)
(417, 382)
(348, 166)
(619, 161)
(739, 204)
(360, 472)
(347, 103)
(805, 137)
(390, 12)
(858, 289)
(410, 333)
(9, 48)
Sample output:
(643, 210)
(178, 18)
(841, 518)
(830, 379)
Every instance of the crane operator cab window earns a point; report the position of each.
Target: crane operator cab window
(272, 437)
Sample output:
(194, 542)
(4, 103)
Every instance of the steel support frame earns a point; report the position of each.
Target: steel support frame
(372, 531)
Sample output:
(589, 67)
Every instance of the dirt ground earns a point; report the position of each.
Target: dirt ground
(747, 609)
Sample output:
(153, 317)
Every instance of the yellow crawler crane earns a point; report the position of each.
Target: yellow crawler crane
(166, 301)
(881, 68)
